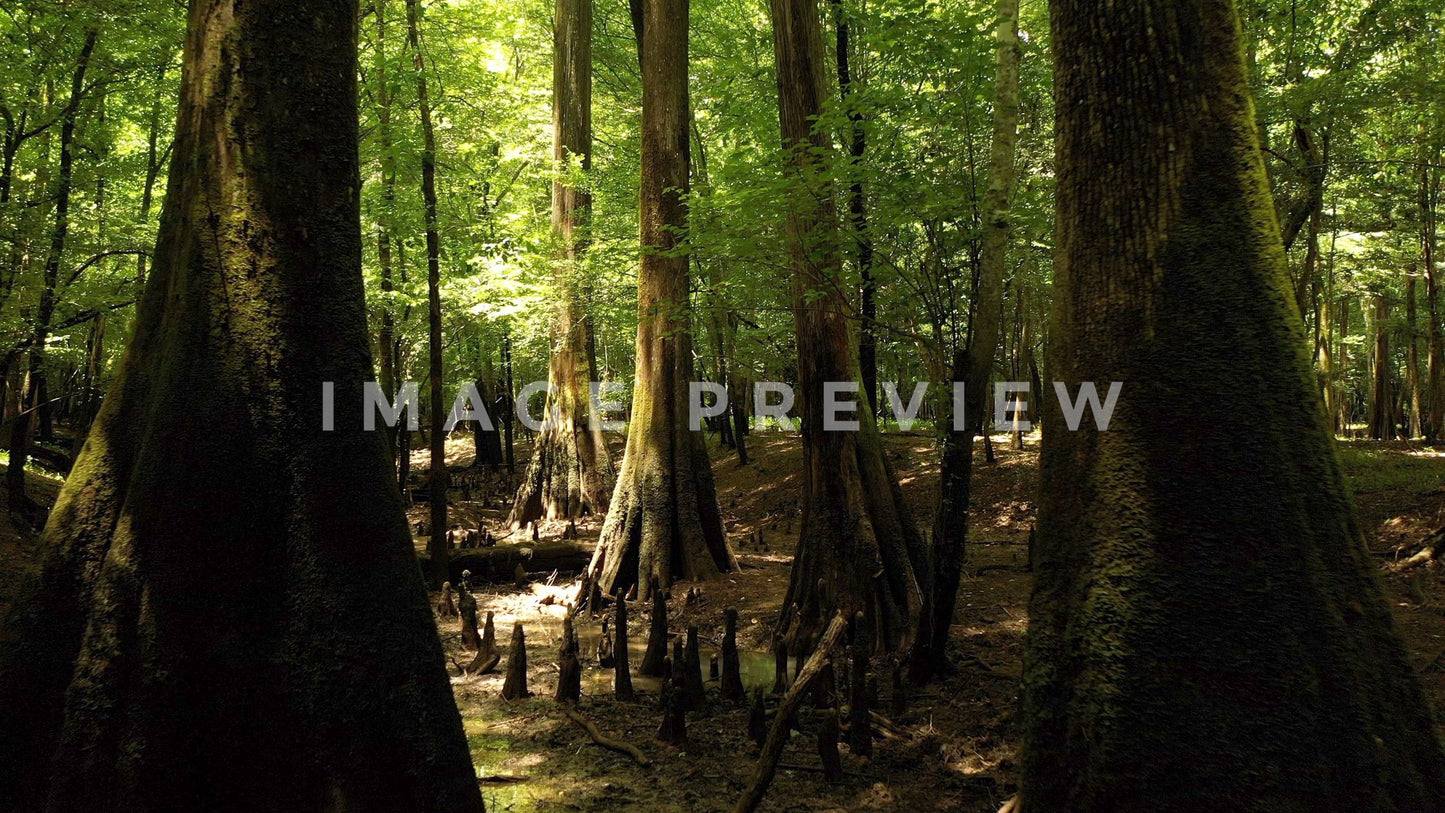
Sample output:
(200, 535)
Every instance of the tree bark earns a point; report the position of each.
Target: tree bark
(664, 521)
(1241, 657)
(858, 547)
(437, 474)
(217, 563)
(974, 365)
(570, 474)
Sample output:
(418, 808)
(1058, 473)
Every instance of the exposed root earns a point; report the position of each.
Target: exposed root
(620, 746)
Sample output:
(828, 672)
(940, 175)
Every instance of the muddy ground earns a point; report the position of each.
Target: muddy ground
(955, 748)
(956, 745)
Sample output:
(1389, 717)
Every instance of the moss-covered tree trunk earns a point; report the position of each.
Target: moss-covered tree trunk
(858, 546)
(571, 473)
(1206, 631)
(218, 566)
(664, 520)
(974, 365)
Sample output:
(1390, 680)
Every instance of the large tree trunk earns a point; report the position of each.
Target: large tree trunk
(664, 521)
(218, 565)
(858, 546)
(437, 473)
(1206, 630)
(570, 473)
(973, 367)
(32, 398)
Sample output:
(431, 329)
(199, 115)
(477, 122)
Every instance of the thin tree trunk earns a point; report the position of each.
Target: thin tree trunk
(45, 310)
(437, 475)
(1237, 658)
(570, 474)
(1434, 336)
(217, 564)
(974, 365)
(858, 210)
(665, 521)
(153, 167)
(1381, 393)
(386, 335)
(858, 548)
(509, 394)
(1412, 360)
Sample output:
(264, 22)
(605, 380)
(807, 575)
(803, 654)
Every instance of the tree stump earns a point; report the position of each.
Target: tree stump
(694, 691)
(656, 636)
(515, 686)
(569, 665)
(622, 675)
(732, 678)
(519, 577)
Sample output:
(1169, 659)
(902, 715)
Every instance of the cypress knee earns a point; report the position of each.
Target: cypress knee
(828, 747)
(860, 725)
(515, 686)
(622, 676)
(694, 692)
(467, 610)
(758, 719)
(569, 665)
(673, 730)
(780, 666)
(657, 635)
(732, 679)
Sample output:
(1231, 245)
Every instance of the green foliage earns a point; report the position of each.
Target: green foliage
(1358, 76)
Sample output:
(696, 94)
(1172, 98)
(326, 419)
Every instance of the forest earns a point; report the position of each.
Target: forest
(998, 406)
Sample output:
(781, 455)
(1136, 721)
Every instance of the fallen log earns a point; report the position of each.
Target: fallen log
(605, 741)
(778, 734)
(498, 565)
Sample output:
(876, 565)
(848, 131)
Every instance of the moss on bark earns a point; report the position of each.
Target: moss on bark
(1206, 630)
(218, 568)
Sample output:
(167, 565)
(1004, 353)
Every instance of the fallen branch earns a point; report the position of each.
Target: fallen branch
(605, 741)
(1432, 549)
(503, 780)
(889, 727)
(778, 734)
